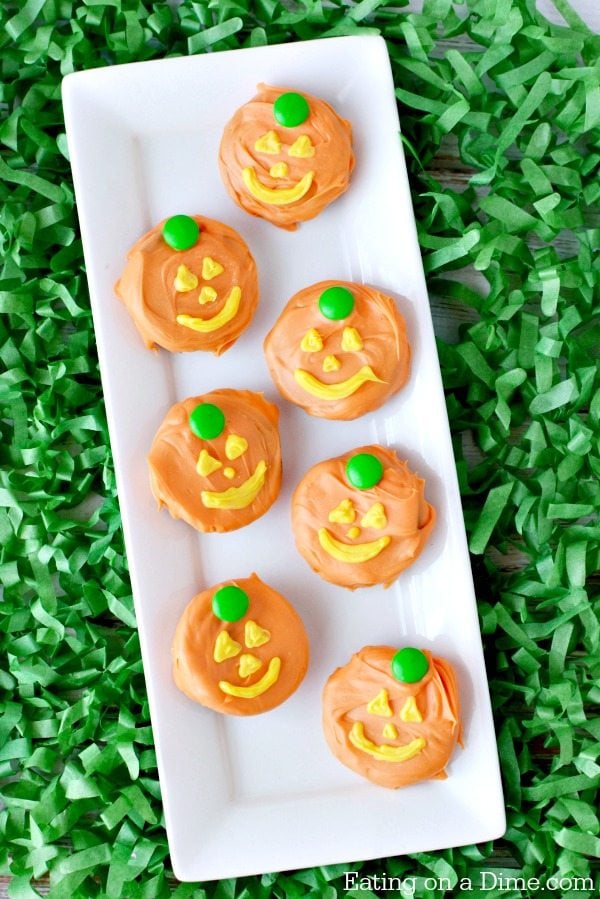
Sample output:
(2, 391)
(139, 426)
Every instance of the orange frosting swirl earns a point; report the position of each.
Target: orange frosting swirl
(383, 347)
(198, 674)
(175, 450)
(331, 164)
(407, 524)
(147, 288)
(429, 742)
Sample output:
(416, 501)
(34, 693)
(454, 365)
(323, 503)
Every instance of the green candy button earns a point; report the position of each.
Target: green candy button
(207, 421)
(409, 665)
(291, 109)
(364, 470)
(230, 603)
(181, 232)
(336, 303)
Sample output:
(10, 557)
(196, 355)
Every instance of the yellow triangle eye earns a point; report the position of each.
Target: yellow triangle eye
(210, 268)
(255, 635)
(225, 647)
(390, 731)
(235, 446)
(312, 342)
(302, 147)
(207, 295)
(380, 705)
(268, 143)
(351, 340)
(345, 513)
(206, 463)
(248, 664)
(410, 710)
(185, 280)
(375, 517)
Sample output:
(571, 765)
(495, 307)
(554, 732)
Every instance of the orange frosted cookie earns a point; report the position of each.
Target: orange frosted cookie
(284, 156)
(190, 284)
(393, 715)
(215, 461)
(338, 349)
(361, 518)
(240, 648)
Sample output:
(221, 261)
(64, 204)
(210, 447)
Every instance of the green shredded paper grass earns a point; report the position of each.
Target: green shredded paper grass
(515, 101)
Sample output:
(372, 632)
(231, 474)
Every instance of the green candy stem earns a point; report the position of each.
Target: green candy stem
(291, 109)
(409, 665)
(181, 232)
(230, 603)
(364, 471)
(336, 303)
(207, 421)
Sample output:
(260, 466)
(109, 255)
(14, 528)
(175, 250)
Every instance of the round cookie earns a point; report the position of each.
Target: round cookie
(393, 716)
(215, 461)
(338, 350)
(361, 518)
(240, 648)
(190, 284)
(285, 156)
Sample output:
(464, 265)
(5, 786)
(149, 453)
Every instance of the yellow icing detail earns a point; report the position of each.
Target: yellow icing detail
(248, 665)
(338, 391)
(390, 731)
(276, 196)
(185, 280)
(361, 552)
(384, 752)
(206, 463)
(380, 705)
(235, 446)
(375, 517)
(345, 513)
(331, 363)
(410, 710)
(229, 473)
(253, 690)
(205, 325)
(279, 170)
(207, 295)
(225, 647)
(236, 497)
(255, 635)
(351, 340)
(268, 143)
(353, 533)
(312, 342)
(302, 147)
(210, 268)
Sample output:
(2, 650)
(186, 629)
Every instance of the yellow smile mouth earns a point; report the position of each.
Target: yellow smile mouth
(237, 497)
(361, 552)
(261, 686)
(384, 752)
(276, 196)
(338, 391)
(206, 325)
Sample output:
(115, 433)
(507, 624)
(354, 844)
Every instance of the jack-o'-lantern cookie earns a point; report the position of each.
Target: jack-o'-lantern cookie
(190, 284)
(284, 156)
(215, 461)
(361, 518)
(338, 349)
(240, 648)
(393, 716)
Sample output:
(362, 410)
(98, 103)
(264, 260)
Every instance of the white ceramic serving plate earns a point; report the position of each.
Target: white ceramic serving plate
(263, 793)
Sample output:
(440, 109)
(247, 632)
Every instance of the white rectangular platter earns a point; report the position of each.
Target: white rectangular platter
(244, 796)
